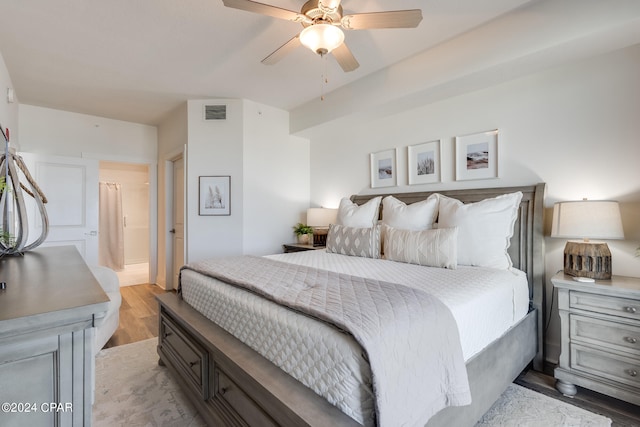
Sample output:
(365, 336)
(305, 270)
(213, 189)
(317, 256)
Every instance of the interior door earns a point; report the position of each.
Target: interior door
(71, 187)
(178, 219)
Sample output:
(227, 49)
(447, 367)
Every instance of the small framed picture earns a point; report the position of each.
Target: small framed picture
(383, 169)
(215, 198)
(477, 156)
(424, 163)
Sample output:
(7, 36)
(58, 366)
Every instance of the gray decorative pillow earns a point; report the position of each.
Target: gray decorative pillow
(432, 248)
(362, 242)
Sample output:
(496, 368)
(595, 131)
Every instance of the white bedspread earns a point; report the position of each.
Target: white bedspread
(483, 302)
(396, 325)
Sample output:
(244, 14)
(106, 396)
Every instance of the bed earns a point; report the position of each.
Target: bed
(232, 384)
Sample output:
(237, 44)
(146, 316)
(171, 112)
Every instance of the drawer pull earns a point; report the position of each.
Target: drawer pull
(631, 310)
(166, 334)
(192, 364)
(632, 372)
(631, 340)
(223, 390)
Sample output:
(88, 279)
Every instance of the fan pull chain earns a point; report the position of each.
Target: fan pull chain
(324, 77)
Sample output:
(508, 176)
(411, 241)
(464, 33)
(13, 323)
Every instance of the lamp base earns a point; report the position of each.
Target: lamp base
(591, 260)
(320, 237)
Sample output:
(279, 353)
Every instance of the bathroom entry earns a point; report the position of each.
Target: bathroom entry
(124, 221)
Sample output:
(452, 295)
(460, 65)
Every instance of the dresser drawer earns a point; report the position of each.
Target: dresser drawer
(185, 354)
(241, 404)
(605, 333)
(606, 304)
(621, 369)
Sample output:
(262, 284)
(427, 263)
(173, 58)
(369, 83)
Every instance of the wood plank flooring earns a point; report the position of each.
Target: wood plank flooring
(138, 315)
(139, 321)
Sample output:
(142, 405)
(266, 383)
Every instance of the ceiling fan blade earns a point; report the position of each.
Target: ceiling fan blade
(265, 9)
(282, 51)
(345, 58)
(391, 19)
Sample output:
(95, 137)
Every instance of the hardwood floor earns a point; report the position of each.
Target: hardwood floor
(138, 315)
(139, 321)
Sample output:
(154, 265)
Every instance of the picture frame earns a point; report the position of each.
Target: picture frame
(477, 156)
(214, 195)
(424, 163)
(384, 168)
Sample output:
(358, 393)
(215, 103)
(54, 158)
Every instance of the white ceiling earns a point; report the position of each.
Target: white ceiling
(138, 60)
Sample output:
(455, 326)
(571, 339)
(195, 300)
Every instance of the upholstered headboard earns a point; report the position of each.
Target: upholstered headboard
(527, 244)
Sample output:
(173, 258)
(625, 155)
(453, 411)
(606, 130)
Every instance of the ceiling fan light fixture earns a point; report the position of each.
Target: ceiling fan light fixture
(322, 38)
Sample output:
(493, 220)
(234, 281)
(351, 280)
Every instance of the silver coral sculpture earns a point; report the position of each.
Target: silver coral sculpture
(14, 225)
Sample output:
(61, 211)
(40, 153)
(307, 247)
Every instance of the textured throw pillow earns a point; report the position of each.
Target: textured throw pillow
(484, 228)
(363, 242)
(416, 216)
(432, 248)
(363, 216)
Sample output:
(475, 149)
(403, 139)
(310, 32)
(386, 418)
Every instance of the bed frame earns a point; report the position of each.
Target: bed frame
(232, 385)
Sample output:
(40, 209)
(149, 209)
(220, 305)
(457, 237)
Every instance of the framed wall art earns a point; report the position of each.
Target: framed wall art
(214, 195)
(424, 163)
(477, 156)
(384, 169)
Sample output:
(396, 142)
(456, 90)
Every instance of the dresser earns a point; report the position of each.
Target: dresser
(47, 313)
(600, 336)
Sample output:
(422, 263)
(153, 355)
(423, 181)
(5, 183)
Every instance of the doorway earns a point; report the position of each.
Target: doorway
(124, 220)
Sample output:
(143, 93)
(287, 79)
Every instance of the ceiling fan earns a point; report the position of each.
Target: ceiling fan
(322, 20)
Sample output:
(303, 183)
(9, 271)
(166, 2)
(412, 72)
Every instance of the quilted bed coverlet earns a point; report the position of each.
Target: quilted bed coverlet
(410, 337)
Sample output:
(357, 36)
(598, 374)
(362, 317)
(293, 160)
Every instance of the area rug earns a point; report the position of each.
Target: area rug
(132, 390)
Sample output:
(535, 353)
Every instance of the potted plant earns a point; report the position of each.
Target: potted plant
(304, 233)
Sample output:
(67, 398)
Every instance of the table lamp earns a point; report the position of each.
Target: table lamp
(587, 219)
(319, 219)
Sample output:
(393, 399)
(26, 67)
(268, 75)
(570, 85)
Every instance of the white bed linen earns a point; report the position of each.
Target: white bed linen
(484, 302)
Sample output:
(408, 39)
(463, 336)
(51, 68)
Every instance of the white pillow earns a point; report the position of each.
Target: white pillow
(433, 248)
(416, 216)
(364, 216)
(484, 228)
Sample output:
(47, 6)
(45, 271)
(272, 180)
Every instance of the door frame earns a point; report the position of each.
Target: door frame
(152, 167)
(168, 214)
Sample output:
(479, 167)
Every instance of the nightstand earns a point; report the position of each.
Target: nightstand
(600, 336)
(299, 247)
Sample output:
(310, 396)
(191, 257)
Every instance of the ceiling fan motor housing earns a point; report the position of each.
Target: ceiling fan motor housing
(314, 11)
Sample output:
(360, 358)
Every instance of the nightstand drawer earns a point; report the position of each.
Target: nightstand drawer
(621, 369)
(615, 306)
(606, 334)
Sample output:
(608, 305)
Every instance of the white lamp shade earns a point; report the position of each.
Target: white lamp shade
(587, 219)
(322, 38)
(321, 217)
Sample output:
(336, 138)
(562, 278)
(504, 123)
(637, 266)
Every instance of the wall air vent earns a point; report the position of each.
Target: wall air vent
(215, 112)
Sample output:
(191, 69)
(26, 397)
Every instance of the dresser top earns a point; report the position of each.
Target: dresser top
(617, 284)
(48, 280)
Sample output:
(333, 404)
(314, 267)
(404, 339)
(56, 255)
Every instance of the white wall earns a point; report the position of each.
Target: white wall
(276, 179)
(269, 172)
(575, 127)
(214, 148)
(172, 138)
(62, 133)
(8, 111)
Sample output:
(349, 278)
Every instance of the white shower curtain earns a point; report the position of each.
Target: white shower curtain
(111, 241)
